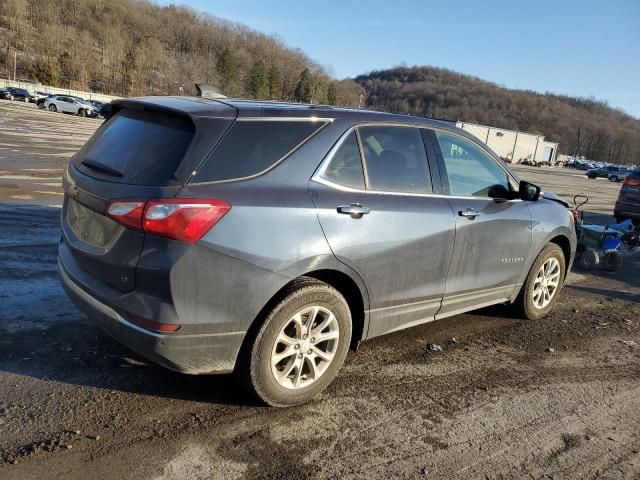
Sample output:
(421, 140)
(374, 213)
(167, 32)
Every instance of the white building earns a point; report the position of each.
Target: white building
(513, 145)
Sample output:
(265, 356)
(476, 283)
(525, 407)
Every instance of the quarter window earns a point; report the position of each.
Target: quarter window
(345, 167)
(395, 159)
(251, 147)
(471, 172)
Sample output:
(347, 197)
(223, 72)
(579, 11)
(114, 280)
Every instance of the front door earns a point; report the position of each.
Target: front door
(385, 224)
(493, 230)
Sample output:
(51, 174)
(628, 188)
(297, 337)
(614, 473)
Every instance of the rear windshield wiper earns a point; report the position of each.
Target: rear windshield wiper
(101, 167)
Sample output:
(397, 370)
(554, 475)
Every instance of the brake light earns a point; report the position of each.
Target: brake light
(185, 219)
(632, 182)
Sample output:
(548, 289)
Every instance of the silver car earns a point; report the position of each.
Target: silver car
(265, 239)
(67, 104)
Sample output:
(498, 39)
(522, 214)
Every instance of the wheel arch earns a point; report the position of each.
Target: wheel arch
(563, 242)
(352, 290)
(560, 236)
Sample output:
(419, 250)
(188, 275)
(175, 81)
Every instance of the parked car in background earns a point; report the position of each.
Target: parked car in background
(13, 93)
(69, 104)
(266, 238)
(36, 97)
(619, 175)
(98, 106)
(40, 101)
(628, 203)
(601, 172)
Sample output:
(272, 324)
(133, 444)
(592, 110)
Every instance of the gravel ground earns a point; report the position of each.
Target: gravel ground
(555, 398)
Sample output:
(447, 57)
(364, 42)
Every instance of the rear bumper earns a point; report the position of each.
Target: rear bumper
(192, 354)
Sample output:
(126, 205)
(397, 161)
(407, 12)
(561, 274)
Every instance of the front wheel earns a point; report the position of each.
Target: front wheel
(543, 283)
(614, 178)
(82, 113)
(53, 108)
(301, 345)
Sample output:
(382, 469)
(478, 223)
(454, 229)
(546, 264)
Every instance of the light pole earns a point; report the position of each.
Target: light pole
(15, 63)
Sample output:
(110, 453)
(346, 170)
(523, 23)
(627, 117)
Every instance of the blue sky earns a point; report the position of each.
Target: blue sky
(583, 48)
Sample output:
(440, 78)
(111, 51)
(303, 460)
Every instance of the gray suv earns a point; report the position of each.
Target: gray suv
(217, 236)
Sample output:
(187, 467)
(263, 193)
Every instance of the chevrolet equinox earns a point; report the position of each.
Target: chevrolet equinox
(263, 238)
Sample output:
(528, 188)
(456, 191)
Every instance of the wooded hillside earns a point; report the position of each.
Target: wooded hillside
(583, 127)
(132, 47)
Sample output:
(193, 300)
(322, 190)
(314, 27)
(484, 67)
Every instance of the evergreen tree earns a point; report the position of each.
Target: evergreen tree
(275, 83)
(227, 68)
(332, 94)
(303, 89)
(258, 81)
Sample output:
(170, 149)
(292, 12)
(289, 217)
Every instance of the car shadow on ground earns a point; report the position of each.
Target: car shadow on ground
(44, 336)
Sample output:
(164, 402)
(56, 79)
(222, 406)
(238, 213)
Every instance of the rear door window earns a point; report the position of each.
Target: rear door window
(395, 159)
(137, 148)
(252, 146)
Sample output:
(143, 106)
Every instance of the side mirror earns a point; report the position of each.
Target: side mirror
(529, 192)
(500, 192)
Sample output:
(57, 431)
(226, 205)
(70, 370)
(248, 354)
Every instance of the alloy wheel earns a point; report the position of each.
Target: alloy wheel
(305, 347)
(546, 283)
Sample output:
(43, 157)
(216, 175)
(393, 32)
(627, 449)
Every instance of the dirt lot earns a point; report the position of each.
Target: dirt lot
(556, 398)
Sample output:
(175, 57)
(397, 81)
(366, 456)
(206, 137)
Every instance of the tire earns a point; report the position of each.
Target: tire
(26, 100)
(82, 113)
(589, 259)
(12, 98)
(613, 261)
(53, 108)
(258, 369)
(527, 304)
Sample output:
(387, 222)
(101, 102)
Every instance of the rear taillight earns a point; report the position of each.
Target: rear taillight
(127, 213)
(185, 219)
(632, 182)
(575, 215)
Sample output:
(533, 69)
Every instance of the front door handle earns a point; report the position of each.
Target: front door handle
(470, 213)
(355, 210)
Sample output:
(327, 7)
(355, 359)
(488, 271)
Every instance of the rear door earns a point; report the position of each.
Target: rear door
(493, 232)
(374, 200)
(139, 153)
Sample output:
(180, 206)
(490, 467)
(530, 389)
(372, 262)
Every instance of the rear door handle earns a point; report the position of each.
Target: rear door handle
(355, 210)
(470, 213)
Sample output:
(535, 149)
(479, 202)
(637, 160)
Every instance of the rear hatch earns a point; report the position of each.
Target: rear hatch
(146, 150)
(630, 191)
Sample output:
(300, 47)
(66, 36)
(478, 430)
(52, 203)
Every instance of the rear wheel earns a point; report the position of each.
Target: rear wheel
(82, 112)
(540, 290)
(613, 178)
(53, 108)
(301, 345)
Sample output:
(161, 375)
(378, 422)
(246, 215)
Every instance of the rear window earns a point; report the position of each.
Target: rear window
(251, 147)
(137, 147)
